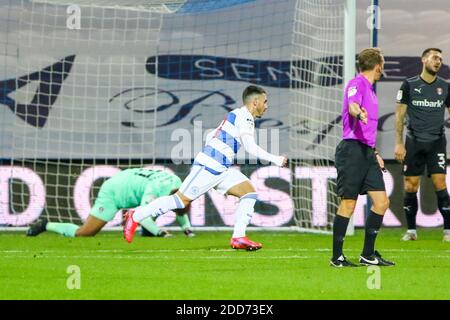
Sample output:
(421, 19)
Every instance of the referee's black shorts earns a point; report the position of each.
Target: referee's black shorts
(358, 170)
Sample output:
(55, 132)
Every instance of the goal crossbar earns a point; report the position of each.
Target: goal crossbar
(162, 6)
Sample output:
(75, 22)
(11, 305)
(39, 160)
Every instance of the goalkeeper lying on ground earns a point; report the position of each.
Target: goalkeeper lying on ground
(127, 189)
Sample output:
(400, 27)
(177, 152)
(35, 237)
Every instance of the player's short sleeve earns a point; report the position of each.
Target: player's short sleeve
(355, 91)
(447, 100)
(403, 93)
(245, 124)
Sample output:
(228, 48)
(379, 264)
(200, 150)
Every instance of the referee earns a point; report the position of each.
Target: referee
(423, 100)
(357, 162)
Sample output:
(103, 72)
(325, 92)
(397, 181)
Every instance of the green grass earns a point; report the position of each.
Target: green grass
(291, 266)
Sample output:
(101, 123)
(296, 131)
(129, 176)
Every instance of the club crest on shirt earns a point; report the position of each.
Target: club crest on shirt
(439, 91)
(250, 123)
(351, 92)
(194, 190)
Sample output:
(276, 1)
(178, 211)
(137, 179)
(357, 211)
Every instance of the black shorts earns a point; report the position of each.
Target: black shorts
(433, 154)
(358, 170)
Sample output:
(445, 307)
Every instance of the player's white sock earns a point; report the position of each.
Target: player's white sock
(244, 213)
(158, 207)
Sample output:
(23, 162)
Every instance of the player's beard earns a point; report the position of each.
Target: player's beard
(431, 71)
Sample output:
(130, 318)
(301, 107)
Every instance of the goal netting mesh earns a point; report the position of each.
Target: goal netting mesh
(315, 109)
(162, 6)
(90, 87)
(63, 95)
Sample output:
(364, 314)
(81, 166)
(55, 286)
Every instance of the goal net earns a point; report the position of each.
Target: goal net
(315, 109)
(90, 87)
(63, 69)
(164, 6)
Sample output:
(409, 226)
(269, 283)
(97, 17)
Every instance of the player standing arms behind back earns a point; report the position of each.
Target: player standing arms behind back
(211, 169)
(423, 100)
(357, 162)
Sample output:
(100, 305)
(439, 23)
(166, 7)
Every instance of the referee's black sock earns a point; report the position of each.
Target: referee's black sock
(339, 229)
(444, 207)
(373, 225)
(411, 206)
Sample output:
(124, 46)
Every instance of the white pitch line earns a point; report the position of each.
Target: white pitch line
(212, 250)
(153, 257)
(138, 253)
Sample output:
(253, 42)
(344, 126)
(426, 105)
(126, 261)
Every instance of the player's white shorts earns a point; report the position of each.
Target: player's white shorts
(200, 180)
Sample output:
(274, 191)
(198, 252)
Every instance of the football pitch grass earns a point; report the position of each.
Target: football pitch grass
(291, 266)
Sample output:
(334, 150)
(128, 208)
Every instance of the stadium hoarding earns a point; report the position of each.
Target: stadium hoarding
(71, 200)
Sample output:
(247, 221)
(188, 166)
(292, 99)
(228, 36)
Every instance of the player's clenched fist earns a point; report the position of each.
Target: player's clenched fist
(285, 161)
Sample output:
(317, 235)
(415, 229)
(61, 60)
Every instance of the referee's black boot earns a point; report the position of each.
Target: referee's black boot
(341, 262)
(375, 260)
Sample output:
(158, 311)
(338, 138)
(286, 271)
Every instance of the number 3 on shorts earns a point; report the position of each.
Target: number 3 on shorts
(441, 161)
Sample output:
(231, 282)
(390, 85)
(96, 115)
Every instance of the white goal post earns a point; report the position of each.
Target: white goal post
(323, 60)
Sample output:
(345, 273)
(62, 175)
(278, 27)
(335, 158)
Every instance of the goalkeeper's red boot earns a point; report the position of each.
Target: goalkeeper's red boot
(245, 243)
(130, 226)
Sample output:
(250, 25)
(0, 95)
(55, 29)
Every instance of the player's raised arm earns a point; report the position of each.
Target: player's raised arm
(256, 106)
(248, 141)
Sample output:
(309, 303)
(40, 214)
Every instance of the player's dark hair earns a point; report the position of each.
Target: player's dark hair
(250, 91)
(369, 58)
(426, 51)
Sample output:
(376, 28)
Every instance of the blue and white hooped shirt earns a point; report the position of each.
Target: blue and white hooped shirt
(220, 150)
